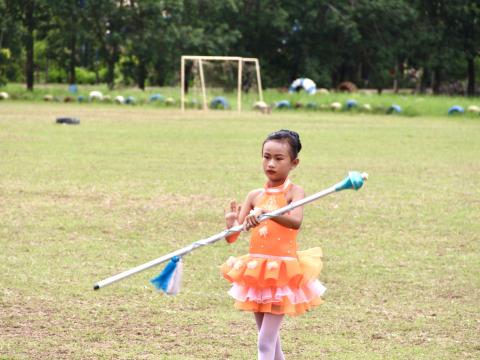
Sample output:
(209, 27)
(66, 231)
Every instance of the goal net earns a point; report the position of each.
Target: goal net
(220, 82)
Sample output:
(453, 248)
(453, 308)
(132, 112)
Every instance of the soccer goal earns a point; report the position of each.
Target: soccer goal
(219, 82)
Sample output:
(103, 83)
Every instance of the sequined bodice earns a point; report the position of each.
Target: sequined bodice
(271, 238)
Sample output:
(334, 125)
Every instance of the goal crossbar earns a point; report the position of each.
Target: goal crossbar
(240, 61)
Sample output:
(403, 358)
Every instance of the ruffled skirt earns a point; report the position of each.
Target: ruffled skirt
(278, 285)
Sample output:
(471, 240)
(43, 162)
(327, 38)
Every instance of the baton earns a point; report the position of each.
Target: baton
(354, 181)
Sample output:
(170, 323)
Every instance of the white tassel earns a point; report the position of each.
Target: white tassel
(176, 281)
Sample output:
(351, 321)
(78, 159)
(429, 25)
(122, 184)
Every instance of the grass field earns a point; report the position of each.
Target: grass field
(81, 203)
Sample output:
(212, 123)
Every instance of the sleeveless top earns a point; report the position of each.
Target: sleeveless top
(270, 238)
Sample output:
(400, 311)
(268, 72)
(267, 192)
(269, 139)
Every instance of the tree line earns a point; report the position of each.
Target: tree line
(372, 43)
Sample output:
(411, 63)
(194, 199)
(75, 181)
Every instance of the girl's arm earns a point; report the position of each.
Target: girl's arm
(292, 220)
(237, 215)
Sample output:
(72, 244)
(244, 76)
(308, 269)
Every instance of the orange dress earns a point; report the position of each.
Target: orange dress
(274, 277)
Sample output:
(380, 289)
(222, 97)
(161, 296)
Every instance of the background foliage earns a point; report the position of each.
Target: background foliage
(374, 43)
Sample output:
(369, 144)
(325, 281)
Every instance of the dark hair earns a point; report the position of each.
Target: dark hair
(291, 137)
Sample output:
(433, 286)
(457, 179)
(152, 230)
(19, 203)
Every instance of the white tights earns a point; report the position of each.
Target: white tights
(269, 347)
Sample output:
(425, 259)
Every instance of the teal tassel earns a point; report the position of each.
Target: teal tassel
(169, 280)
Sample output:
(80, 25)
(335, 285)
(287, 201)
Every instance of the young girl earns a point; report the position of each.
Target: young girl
(273, 279)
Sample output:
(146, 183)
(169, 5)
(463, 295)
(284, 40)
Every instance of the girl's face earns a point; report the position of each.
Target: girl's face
(277, 161)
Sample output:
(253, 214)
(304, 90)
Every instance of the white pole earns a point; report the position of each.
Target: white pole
(209, 240)
(239, 86)
(182, 80)
(259, 80)
(202, 81)
(196, 57)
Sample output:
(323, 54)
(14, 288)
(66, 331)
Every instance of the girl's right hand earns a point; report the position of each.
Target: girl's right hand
(231, 218)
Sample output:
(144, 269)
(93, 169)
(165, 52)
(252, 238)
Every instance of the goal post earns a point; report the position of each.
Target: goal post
(199, 63)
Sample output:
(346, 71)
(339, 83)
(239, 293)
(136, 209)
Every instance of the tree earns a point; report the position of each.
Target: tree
(145, 28)
(105, 18)
(322, 41)
(31, 13)
(261, 27)
(5, 53)
(450, 33)
(384, 28)
(63, 37)
(463, 18)
(203, 28)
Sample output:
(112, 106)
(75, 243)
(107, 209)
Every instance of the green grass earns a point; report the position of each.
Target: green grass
(411, 105)
(81, 203)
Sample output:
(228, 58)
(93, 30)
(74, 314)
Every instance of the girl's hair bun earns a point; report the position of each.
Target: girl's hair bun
(291, 137)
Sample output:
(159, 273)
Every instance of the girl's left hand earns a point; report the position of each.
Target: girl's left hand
(251, 220)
